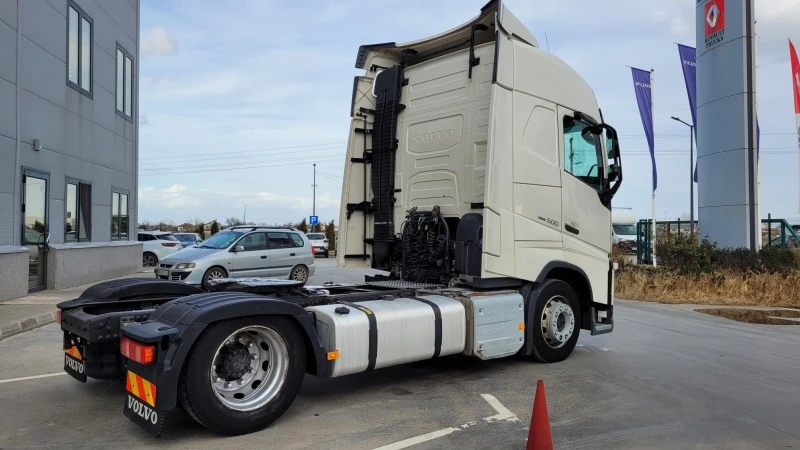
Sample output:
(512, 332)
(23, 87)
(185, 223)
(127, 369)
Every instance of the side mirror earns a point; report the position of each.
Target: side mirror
(613, 173)
(238, 248)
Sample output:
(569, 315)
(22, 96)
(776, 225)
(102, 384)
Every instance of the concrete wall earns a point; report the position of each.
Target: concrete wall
(13, 272)
(70, 265)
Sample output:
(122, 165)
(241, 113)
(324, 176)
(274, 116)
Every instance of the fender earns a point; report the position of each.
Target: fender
(530, 294)
(176, 325)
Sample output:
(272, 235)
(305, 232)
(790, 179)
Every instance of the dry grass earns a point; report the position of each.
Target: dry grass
(718, 288)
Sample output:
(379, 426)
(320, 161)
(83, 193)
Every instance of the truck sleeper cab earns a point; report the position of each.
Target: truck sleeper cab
(480, 175)
(476, 158)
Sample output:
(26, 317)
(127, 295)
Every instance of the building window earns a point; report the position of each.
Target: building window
(79, 49)
(78, 212)
(119, 215)
(124, 82)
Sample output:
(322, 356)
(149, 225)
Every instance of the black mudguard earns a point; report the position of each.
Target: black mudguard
(175, 326)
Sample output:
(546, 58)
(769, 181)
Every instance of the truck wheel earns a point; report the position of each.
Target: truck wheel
(556, 322)
(243, 374)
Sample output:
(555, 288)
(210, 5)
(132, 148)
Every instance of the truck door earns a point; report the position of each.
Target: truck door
(583, 213)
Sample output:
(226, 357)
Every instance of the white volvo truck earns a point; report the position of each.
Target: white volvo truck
(479, 177)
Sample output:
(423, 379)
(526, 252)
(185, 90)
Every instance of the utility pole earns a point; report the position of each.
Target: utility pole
(314, 201)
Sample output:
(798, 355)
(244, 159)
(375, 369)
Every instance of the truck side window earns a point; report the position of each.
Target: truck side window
(582, 153)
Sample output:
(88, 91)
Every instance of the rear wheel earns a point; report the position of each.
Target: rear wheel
(149, 259)
(299, 273)
(327, 253)
(243, 374)
(556, 322)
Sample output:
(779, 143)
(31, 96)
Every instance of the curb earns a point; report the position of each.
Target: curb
(26, 324)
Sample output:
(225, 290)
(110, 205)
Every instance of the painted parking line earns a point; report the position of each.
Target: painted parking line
(502, 414)
(34, 377)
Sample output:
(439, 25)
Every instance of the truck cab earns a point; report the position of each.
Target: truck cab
(477, 158)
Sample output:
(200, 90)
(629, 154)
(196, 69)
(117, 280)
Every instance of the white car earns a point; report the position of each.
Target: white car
(157, 245)
(319, 242)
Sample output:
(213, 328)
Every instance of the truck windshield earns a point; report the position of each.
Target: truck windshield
(221, 240)
(625, 230)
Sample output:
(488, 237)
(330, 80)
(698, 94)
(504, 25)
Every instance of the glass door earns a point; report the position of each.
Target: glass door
(35, 233)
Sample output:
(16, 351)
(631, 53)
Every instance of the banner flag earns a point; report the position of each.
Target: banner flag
(644, 97)
(796, 89)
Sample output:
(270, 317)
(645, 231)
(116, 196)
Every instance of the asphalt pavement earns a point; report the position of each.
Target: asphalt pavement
(667, 377)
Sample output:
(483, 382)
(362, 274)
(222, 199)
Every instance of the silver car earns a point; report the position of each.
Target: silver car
(241, 252)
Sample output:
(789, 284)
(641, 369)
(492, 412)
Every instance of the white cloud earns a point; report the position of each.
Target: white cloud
(158, 42)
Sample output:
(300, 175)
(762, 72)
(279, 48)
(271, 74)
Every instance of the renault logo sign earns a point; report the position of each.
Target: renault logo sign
(712, 16)
(715, 22)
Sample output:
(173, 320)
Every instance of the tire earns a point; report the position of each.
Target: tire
(555, 331)
(212, 274)
(149, 259)
(299, 273)
(327, 253)
(215, 402)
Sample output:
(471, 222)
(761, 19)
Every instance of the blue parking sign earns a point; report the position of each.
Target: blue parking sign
(313, 220)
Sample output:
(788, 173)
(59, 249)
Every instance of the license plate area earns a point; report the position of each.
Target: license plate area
(162, 272)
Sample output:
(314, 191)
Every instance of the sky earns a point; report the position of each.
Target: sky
(238, 102)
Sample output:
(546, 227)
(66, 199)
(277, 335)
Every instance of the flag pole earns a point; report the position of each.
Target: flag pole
(652, 119)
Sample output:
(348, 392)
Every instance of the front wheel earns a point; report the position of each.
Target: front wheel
(243, 374)
(556, 322)
(214, 273)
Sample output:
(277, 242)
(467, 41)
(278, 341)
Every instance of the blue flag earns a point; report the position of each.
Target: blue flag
(689, 63)
(644, 97)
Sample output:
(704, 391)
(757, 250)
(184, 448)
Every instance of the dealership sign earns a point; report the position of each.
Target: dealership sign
(715, 23)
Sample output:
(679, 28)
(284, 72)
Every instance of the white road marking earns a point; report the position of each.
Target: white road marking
(502, 414)
(34, 377)
(419, 439)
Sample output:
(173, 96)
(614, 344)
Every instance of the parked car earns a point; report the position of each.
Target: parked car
(188, 239)
(157, 245)
(320, 243)
(240, 252)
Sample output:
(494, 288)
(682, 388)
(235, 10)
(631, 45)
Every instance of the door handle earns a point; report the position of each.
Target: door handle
(572, 229)
(264, 257)
(291, 254)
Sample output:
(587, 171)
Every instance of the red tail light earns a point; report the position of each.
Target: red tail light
(142, 354)
(58, 316)
(169, 244)
(312, 250)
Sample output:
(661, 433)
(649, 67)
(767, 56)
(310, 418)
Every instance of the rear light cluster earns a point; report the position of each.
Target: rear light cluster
(140, 353)
(312, 249)
(58, 316)
(169, 244)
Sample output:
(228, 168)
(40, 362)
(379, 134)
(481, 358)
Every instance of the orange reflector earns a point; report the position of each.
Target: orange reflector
(74, 352)
(142, 354)
(333, 355)
(521, 327)
(141, 388)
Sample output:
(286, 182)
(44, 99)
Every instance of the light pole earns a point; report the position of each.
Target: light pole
(314, 200)
(691, 174)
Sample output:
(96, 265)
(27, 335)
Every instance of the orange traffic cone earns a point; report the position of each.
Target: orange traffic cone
(539, 433)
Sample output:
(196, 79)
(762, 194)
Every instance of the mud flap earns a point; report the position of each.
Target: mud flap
(141, 398)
